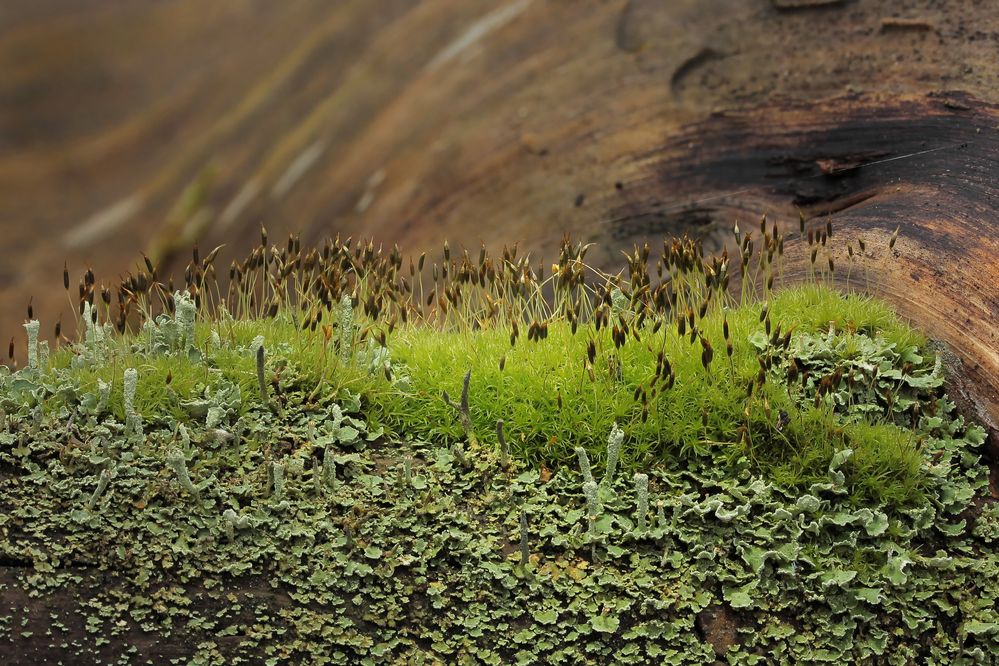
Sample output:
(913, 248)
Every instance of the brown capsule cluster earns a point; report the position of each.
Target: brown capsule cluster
(677, 287)
(707, 353)
(537, 331)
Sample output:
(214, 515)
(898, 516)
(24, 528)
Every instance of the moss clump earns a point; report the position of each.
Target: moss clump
(550, 406)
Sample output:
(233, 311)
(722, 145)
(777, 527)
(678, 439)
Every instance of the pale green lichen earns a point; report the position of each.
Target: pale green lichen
(102, 483)
(177, 462)
(329, 467)
(921, 582)
(43, 354)
(642, 495)
(660, 514)
(186, 313)
(131, 380)
(406, 472)
(277, 480)
(584, 464)
(614, 441)
(133, 421)
(807, 569)
(32, 328)
(103, 395)
(592, 505)
(185, 436)
(317, 478)
(256, 344)
(94, 334)
(232, 522)
(345, 328)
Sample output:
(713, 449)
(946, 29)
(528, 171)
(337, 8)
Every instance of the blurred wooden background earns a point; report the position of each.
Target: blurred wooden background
(128, 126)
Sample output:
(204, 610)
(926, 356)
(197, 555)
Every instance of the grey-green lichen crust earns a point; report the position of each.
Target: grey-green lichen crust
(292, 534)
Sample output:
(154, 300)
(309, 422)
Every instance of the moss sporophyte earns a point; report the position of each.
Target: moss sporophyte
(271, 469)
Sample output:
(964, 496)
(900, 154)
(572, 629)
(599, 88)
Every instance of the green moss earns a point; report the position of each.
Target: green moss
(549, 404)
(813, 306)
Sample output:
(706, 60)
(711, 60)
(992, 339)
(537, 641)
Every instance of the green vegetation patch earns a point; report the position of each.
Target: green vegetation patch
(550, 404)
(778, 481)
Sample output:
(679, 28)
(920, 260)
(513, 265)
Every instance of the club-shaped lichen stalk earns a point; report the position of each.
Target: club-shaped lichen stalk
(176, 461)
(345, 325)
(43, 354)
(185, 437)
(229, 517)
(407, 472)
(133, 422)
(32, 328)
(295, 467)
(94, 333)
(614, 441)
(504, 447)
(277, 475)
(186, 310)
(642, 491)
(103, 395)
(130, 383)
(232, 522)
(329, 468)
(464, 413)
(261, 379)
(592, 505)
(102, 484)
(584, 464)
